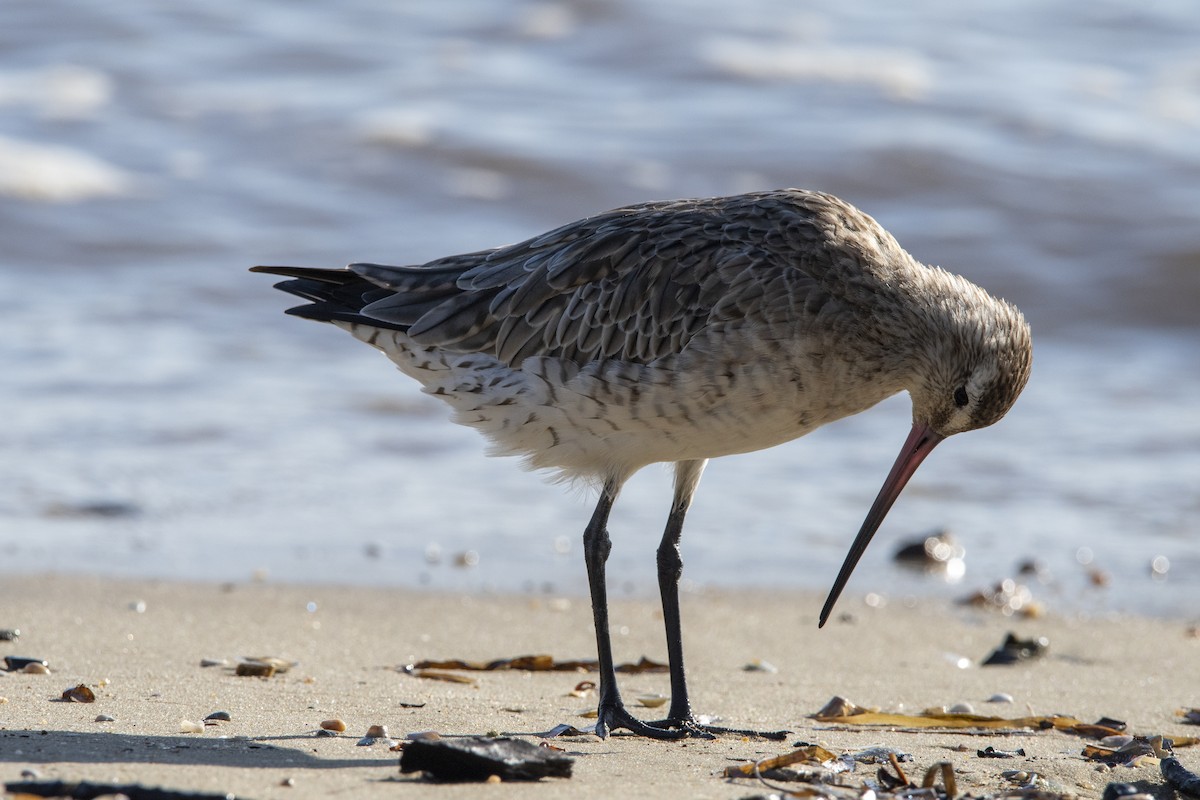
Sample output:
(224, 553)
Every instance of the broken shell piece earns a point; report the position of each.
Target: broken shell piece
(961, 708)
(79, 694)
(840, 707)
(335, 725)
(760, 666)
(105, 718)
(222, 716)
(1001, 697)
(214, 662)
(189, 726)
(652, 700)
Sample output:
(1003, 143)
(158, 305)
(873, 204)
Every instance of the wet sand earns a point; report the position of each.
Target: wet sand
(139, 645)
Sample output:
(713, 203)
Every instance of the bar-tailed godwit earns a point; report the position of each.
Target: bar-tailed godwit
(677, 332)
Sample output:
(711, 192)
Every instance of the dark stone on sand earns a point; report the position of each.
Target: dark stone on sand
(476, 758)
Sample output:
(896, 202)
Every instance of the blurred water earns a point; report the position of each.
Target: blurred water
(149, 153)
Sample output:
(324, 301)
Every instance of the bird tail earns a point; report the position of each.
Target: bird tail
(334, 295)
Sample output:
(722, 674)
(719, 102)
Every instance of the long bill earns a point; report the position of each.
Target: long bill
(920, 443)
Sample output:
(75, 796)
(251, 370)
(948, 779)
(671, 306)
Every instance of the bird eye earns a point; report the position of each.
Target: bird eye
(960, 396)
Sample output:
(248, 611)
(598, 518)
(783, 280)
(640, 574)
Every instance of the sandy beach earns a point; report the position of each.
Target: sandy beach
(139, 645)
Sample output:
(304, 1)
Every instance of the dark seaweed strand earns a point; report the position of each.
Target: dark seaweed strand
(1180, 776)
(88, 791)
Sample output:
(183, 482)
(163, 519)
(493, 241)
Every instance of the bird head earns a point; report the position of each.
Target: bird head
(969, 361)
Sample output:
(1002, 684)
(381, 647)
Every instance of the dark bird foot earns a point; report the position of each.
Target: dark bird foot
(616, 717)
(699, 730)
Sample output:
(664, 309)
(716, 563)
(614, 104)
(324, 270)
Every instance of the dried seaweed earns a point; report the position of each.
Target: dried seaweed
(810, 754)
(840, 711)
(534, 663)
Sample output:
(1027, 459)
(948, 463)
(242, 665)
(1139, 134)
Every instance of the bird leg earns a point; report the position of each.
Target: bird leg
(611, 713)
(670, 569)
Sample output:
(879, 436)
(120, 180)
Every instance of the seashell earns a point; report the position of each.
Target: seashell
(30, 774)
(188, 726)
(288, 782)
(79, 694)
(1000, 697)
(323, 732)
(652, 700)
(223, 716)
(9, 634)
(36, 668)
(335, 725)
(214, 662)
(104, 718)
(366, 741)
(757, 665)
(377, 731)
(281, 665)
(961, 708)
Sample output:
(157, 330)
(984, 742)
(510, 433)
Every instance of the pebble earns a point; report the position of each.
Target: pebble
(9, 634)
(1000, 697)
(325, 732)
(424, 736)
(254, 669)
(335, 725)
(223, 716)
(188, 726)
(30, 774)
(289, 782)
(377, 731)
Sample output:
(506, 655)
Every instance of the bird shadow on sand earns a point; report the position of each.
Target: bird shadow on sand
(50, 746)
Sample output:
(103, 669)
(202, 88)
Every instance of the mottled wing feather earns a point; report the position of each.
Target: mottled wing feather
(635, 283)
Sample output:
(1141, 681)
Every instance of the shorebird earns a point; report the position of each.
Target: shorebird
(678, 332)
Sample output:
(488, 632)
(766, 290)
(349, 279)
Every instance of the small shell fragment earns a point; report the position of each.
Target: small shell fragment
(335, 725)
(214, 662)
(961, 708)
(323, 732)
(223, 716)
(1001, 697)
(79, 694)
(652, 700)
(105, 718)
(189, 726)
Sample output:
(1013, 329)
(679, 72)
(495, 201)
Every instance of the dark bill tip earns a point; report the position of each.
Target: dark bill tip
(920, 443)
